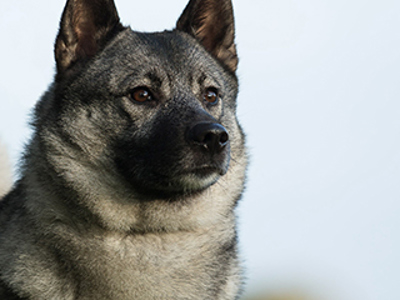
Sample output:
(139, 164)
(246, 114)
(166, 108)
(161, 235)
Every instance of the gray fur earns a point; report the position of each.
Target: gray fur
(115, 201)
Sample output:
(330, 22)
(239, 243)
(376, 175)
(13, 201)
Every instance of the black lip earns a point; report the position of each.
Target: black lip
(205, 171)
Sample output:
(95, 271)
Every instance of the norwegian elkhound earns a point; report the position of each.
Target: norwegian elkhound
(129, 185)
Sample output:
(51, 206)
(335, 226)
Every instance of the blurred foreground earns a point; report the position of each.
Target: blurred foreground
(278, 296)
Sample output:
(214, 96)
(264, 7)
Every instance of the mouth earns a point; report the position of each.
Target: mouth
(169, 176)
(189, 181)
(198, 179)
(205, 171)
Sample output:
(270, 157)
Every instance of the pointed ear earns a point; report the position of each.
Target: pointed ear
(86, 25)
(211, 22)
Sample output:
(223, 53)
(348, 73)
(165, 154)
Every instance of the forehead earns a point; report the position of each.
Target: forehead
(171, 51)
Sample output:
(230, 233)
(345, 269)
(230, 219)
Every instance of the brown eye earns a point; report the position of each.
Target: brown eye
(211, 96)
(141, 94)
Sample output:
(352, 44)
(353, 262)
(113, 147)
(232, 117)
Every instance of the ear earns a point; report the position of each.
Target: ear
(211, 22)
(85, 27)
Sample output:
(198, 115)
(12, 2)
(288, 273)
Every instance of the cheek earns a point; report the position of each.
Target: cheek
(139, 116)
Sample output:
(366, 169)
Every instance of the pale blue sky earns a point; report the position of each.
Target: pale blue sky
(320, 102)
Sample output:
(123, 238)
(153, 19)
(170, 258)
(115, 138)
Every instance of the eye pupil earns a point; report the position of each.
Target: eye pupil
(211, 96)
(141, 95)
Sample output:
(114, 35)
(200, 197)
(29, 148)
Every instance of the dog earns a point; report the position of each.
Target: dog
(129, 184)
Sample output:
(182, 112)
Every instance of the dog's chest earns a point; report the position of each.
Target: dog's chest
(151, 267)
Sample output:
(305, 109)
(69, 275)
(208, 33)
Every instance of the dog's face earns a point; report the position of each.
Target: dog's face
(145, 116)
(174, 97)
(169, 103)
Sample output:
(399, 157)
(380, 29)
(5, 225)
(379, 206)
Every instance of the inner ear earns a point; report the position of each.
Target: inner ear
(211, 22)
(85, 27)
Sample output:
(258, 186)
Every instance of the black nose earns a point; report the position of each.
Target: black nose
(211, 136)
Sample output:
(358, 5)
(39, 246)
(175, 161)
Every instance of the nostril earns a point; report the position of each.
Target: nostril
(224, 138)
(210, 136)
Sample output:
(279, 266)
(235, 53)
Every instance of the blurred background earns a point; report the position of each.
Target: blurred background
(320, 103)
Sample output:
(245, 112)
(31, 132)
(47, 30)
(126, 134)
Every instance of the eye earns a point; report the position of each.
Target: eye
(141, 94)
(211, 95)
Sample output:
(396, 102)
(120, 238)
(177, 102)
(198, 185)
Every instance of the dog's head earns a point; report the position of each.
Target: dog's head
(156, 111)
